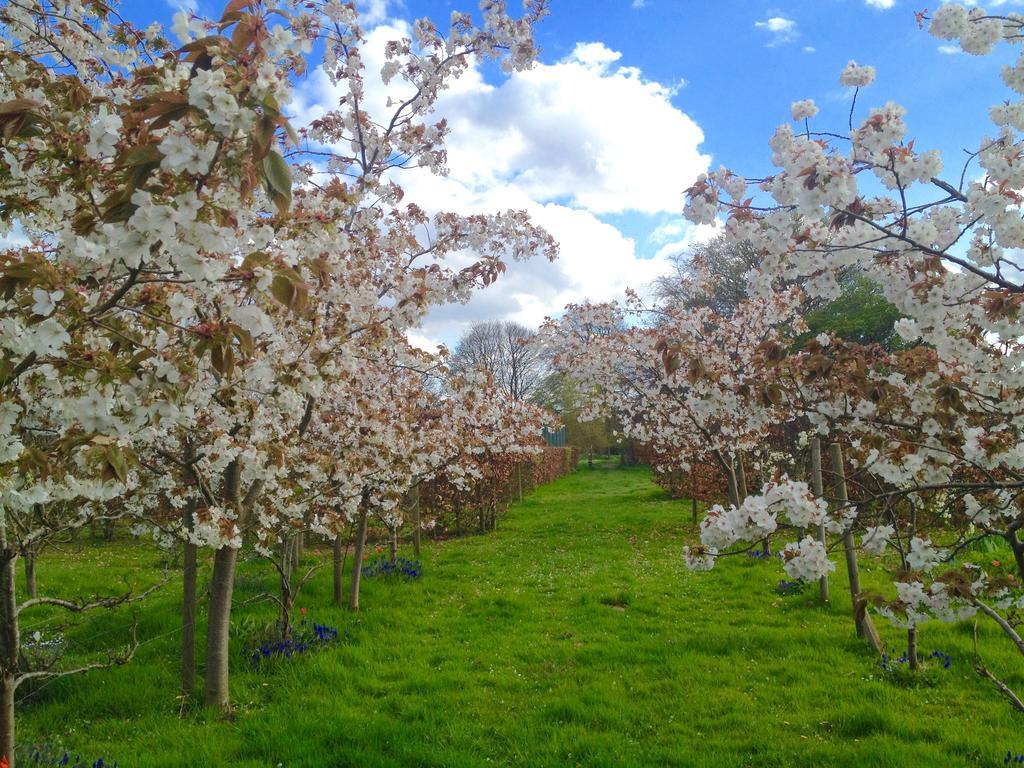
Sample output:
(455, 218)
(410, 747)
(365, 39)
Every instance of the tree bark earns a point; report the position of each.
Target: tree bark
(393, 543)
(865, 626)
(7, 743)
(912, 648)
(819, 490)
(289, 550)
(190, 569)
(357, 565)
(693, 509)
(10, 647)
(730, 480)
(416, 521)
(30, 573)
(218, 630)
(339, 567)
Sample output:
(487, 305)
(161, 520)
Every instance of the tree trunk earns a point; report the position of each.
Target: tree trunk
(693, 509)
(741, 478)
(7, 688)
(730, 480)
(357, 565)
(10, 647)
(416, 521)
(30, 573)
(865, 626)
(519, 478)
(912, 648)
(340, 547)
(819, 490)
(190, 569)
(483, 523)
(1018, 551)
(289, 549)
(393, 544)
(218, 630)
(458, 518)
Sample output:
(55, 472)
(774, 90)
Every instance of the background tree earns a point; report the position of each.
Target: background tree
(508, 352)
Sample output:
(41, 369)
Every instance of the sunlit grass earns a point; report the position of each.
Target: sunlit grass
(573, 636)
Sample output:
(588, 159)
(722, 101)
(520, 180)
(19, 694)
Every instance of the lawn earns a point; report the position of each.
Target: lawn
(573, 636)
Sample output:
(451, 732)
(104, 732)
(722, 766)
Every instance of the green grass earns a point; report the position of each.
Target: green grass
(573, 636)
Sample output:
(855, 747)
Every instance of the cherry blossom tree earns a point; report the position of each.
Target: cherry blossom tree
(933, 434)
(197, 275)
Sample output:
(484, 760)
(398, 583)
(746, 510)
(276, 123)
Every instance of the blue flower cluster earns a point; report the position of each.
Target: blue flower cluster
(308, 636)
(759, 553)
(890, 665)
(1012, 758)
(382, 566)
(789, 587)
(46, 757)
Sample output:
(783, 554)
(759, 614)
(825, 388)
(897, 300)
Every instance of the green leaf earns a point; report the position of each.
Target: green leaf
(278, 176)
(147, 153)
(117, 462)
(282, 289)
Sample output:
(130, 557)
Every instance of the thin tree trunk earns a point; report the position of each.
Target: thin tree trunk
(357, 565)
(416, 521)
(10, 646)
(865, 626)
(741, 490)
(289, 549)
(819, 490)
(218, 630)
(30, 573)
(340, 547)
(519, 478)
(693, 489)
(393, 543)
(912, 648)
(730, 481)
(1018, 551)
(741, 478)
(190, 568)
(7, 689)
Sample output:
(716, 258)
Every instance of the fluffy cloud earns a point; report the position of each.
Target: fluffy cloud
(570, 142)
(780, 29)
(883, 4)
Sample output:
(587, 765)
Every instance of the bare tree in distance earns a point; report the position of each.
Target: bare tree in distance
(711, 274)
(506, 350)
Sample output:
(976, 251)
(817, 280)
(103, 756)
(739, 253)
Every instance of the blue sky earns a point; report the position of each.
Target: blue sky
(633, 98)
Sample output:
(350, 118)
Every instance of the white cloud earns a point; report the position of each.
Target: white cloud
(14, 237)
(372, 12)
(569, 142)
(780, 29)
(882, 4)
(639, 3)
(809, 49)
(949, 50)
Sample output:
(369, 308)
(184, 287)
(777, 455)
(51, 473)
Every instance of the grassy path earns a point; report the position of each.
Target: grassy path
(571, 637)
